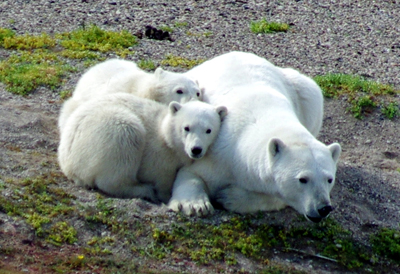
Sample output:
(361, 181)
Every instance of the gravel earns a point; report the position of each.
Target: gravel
(347, 36)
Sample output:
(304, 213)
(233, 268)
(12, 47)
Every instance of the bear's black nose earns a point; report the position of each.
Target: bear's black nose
(323, 212)
(197, 150)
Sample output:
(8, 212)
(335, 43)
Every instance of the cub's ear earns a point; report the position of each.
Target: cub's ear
(276, 146)
(159, 72)
(174, 107)
(335, 150)
(222, 112)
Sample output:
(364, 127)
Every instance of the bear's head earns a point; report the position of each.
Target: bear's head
(304, 175)
(173, 86)
(195, 125)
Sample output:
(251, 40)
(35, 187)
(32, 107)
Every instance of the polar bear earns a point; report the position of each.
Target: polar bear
(116, 75)
(128, 146)
(266, 155)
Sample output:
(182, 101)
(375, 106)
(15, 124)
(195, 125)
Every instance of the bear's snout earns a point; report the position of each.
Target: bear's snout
(323, 212)
(196, 151)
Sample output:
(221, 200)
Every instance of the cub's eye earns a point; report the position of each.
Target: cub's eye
(187, 129)
(208, 131)
(303, 180)
(179, 91)
(330, 181)
(198, 94)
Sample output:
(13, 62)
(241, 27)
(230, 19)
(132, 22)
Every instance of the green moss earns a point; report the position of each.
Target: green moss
(41, 60)
(25, 71)
(146, 64)
(166, 28)
(41, 203)
(331, 240)
(29, 42)
(386, 242)
(5, 34)
(206, 243)
(65, 94)
(178, 61)
(37, 221)
(95, 39)
(104, 213)
(363, 95)
(263, 26)
(200, 34)
(61, 232)
(181, 24)
(390, 110)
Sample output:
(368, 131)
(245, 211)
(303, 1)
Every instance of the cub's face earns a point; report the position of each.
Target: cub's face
(305, 176)
(176, 87)
(197, 125)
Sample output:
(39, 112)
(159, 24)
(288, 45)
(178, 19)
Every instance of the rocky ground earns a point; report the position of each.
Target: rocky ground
(354, 37)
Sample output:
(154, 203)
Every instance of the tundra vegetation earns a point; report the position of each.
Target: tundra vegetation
(92, 235)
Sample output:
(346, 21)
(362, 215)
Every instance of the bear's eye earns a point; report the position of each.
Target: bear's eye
(330, 181)
(198, 94)
(303, 180)
(208, 131)
(179, 91)
(187, 129)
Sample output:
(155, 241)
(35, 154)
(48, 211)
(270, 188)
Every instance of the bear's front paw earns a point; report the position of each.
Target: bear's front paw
(200, 207)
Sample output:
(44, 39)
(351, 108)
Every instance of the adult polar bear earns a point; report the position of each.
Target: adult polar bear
(266, 155)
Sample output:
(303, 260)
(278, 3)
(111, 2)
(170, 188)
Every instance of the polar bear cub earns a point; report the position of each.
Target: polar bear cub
(116, 75)
(128, 146)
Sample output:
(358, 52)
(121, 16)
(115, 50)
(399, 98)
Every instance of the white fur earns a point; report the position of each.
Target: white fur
(116, 75)
(129, 146)
(266, 145)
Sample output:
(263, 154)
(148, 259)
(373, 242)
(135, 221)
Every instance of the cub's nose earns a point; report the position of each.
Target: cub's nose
(197, 151)
(323, 212)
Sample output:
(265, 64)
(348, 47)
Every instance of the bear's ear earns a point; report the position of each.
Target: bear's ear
(275, 146)
(159, 72)
(222, 112)
(335, 150)
(174, 107)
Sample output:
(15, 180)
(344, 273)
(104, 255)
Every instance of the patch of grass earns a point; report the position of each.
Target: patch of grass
(95, 39)
(41, 60)
(181, 24)
(103, 214)
(390, 110)
(25, 71)
(65, 94)
(29, 42)
(5, 34)
(166, 28)
(50, 210)
(205, 243)
(332, 241)
(43, 205)
(387, 243)
(199, 34)
(62, 232)
(363, 95)
(146, 64)
(263, 26)
(178, 61)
